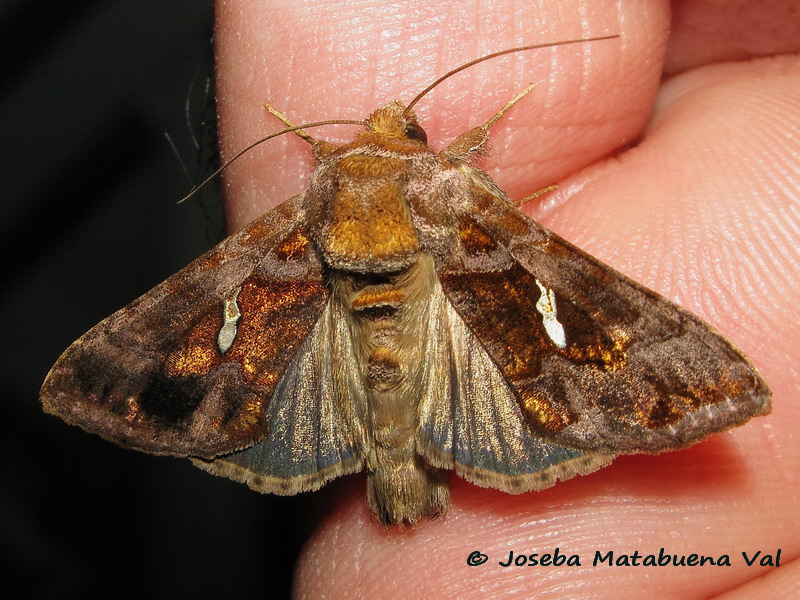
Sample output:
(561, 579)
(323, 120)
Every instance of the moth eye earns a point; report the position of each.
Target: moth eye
(415, 132)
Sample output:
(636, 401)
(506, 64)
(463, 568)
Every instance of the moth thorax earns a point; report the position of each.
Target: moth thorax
(369, 227)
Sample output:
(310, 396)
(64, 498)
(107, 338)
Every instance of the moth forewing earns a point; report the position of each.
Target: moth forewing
(598, 362)
(402, 316)
(155, 377)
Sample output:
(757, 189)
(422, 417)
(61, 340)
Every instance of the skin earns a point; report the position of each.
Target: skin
(688, 184)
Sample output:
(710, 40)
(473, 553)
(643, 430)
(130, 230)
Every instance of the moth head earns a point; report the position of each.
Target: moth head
(396, 121)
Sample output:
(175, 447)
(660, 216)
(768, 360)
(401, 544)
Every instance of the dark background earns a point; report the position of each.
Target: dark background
(88, 91)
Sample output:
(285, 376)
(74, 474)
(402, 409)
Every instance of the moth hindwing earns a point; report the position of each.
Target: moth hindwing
(401, 316)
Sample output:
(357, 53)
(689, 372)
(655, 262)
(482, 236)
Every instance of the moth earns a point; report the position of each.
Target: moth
(402, 317)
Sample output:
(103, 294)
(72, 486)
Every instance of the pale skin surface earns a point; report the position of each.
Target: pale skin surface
(703, 209)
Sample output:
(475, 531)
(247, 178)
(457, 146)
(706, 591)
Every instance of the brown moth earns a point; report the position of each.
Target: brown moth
(401, 316)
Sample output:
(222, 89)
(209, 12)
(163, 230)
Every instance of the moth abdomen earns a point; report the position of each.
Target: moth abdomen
(388, 316)
(383, 368)
(378, 316)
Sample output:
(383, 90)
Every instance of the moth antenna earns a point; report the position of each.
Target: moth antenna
(501, 53)
(249, 147)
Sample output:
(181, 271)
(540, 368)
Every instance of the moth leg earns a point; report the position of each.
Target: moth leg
(499, 114)
(283, 119)
(535, 195)
(320, 147)
(474, 141)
